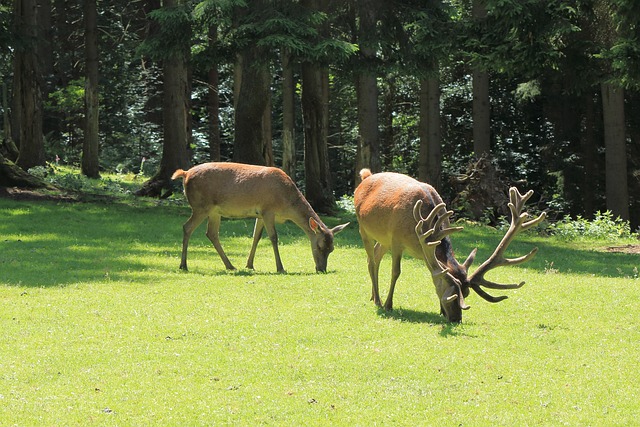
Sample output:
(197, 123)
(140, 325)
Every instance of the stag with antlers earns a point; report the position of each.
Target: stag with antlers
(399, 214)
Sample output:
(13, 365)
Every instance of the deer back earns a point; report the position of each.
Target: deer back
(238, 191)
(384, 206)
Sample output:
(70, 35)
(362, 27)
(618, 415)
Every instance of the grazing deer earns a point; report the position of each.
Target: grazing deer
(399, 214)
(234, 190)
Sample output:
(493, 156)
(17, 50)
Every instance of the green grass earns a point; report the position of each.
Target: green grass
(98, 326)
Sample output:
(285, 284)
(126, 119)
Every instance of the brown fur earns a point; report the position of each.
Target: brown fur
(384, 205)
(235, 190)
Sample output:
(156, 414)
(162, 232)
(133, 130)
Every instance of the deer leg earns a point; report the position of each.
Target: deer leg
(187, 229)
(396, 258)
(257, 235)
(213, 233)
(378, 254)
(269, 223)
(373, 265)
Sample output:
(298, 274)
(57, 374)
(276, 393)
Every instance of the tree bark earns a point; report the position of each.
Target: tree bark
(315, 115)
(90, 147)
(288, 117)
(367, 92)
(12, 175)
(589, 158)
(176, 119)
(251, 102)
(7, 147)
(27, 102)
(252, 99)
(213, 104)
(617, 191)
(387, 131)
(430, 163)
(481, 107)
(47, 30)
(267, 141)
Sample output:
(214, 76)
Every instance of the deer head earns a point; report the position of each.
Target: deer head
(448, 288)
(452, 287)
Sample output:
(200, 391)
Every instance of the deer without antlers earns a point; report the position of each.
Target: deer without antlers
(399, 214)
(235, 190)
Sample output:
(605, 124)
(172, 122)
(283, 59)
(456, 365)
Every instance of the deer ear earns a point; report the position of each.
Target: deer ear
(339, 228)
(467, 263)
(314, 225)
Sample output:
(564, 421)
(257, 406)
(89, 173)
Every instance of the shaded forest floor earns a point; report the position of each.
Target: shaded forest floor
(15, 193)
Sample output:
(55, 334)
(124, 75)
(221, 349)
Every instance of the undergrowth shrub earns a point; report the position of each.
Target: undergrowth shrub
(603, 227)
(73, 181)
(346, 203)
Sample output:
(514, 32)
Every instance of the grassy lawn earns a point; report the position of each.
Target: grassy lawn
(100, 327)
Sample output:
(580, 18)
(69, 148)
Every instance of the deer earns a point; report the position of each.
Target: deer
(397, 213)
(235, 190)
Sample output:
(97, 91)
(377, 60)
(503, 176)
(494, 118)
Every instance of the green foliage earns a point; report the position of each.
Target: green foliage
(346, 203)
(172, 37)
(5, 32)
(518, 37)
(603, 227)
(529, 47)
(72, 181)
(68, 100)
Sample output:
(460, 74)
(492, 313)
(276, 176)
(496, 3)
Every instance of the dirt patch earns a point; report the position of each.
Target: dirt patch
(627, 249)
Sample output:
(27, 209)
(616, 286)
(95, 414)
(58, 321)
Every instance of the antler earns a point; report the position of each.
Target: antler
(497, 259)
(429, 240)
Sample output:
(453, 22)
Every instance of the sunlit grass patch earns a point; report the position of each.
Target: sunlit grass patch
(99, 326)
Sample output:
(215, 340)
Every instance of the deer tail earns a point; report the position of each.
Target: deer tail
(179, 174)
(365, 173)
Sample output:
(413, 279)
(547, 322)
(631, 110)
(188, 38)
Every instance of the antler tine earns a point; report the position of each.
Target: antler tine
(437, 230)
(516, 204)
(417, 215)
(497, 259)
(432, 238)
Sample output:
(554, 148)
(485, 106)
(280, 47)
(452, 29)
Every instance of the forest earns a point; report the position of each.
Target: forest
(468, 95)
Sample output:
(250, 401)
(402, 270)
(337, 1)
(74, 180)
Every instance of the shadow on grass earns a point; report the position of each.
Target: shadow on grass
(57, 244)
(553, 256)
(244, 272)
(46, 244)
(447, 329)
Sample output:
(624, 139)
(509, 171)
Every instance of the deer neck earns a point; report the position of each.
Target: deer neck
(301, 216)
(444, 253)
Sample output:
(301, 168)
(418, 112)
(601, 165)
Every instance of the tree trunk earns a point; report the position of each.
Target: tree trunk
(7, 147)
(589, 158)
(617, 191)
(252, 98)
(315, 115)
(46, 44)
(11, 175)
(481, 107)
(90, 147)
(481, 114)
(267, 141)
(430, 165)
(251, 102)
(367, 91)
(27, 95)
(288, 117)
(176, 119)
(213, 104)
(386, 121)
